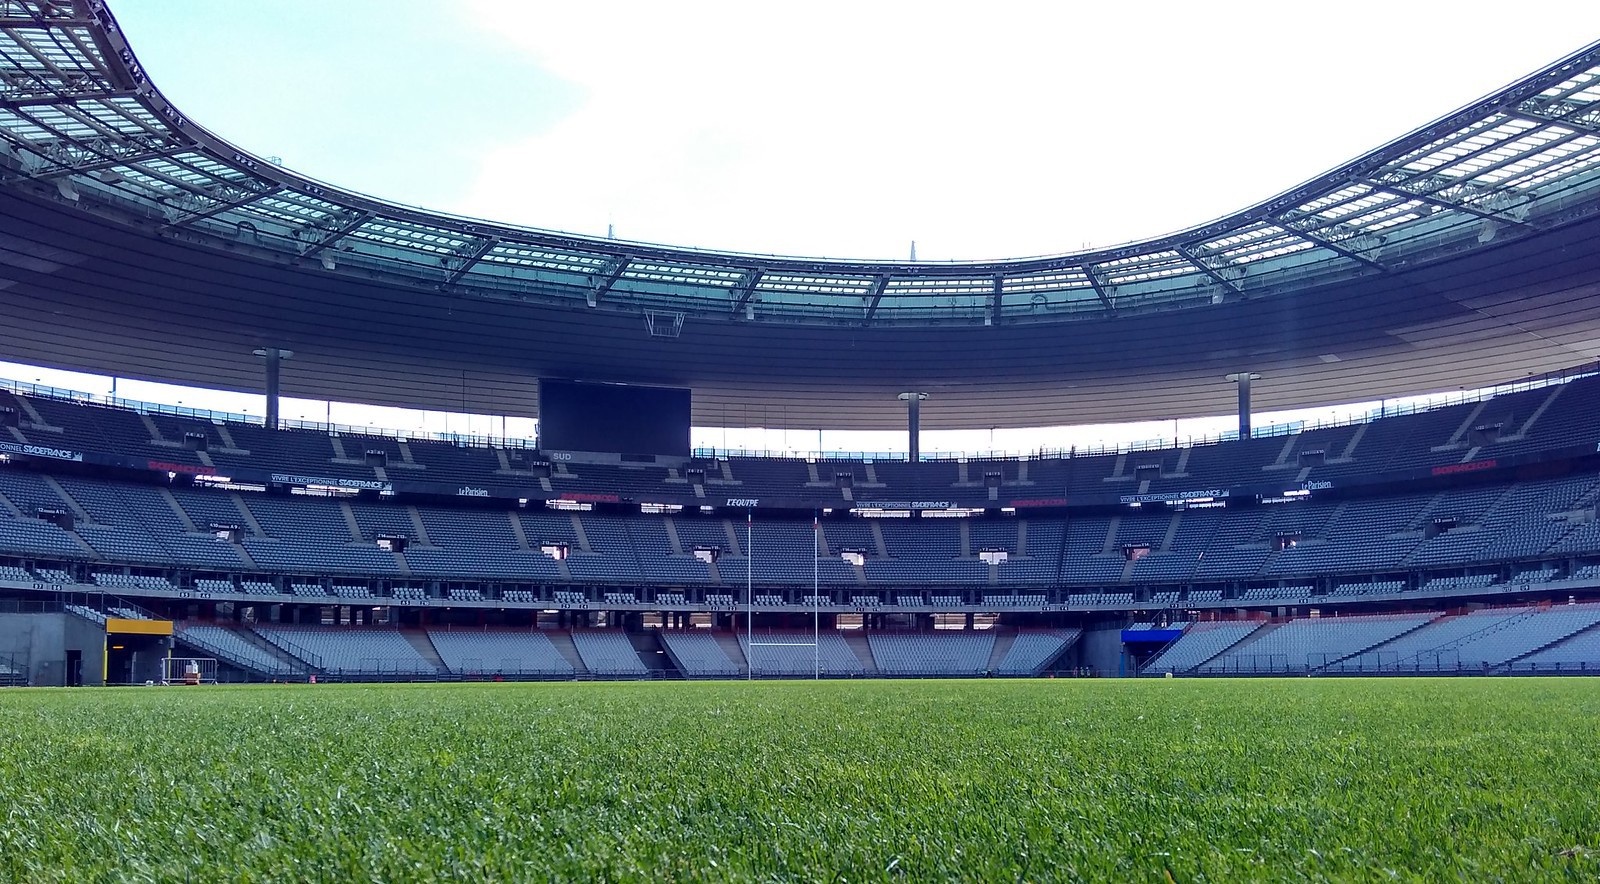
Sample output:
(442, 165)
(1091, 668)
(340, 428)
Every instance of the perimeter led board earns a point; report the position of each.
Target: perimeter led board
(613, 418)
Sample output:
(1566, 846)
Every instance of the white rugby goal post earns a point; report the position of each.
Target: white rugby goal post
(189, 670)
(750, 601)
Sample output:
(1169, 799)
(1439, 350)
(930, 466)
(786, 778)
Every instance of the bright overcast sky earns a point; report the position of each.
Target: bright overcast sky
(979, 130)
(840, 129)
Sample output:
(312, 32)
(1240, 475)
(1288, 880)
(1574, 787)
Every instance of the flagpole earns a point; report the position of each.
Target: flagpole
(749, 597)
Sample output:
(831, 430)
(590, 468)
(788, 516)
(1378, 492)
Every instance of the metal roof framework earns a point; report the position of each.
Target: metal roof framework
(77, 112)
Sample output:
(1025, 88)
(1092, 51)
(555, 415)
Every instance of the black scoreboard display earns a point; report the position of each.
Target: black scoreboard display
(613, 418)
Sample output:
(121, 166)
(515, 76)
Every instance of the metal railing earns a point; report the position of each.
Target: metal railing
(1160, 443)
(474, 440)
(280, 667)
(310, 658)
(469, 440)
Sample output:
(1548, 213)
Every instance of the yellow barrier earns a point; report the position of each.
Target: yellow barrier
(121, 626)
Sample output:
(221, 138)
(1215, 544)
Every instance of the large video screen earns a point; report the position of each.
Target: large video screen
(613, 418)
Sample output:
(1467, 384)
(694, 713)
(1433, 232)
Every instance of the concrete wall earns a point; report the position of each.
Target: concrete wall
(1102, 650)
(39, 643)
(91, 639)
(147, 653)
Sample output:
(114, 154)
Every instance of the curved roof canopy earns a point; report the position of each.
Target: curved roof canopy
(1457, 255)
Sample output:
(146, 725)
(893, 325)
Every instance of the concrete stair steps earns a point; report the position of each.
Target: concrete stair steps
(569, 651)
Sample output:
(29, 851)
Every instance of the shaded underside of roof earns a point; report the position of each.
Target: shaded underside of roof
(102, 297)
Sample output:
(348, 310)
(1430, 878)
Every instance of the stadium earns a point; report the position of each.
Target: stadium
(147, 544)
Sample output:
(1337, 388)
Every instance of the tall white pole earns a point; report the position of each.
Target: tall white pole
(816, 599)
(749, 598)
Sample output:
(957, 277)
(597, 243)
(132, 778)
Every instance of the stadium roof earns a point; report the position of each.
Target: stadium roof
(134, 242)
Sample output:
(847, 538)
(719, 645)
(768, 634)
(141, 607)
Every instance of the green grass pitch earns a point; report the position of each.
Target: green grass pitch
(1216, 780)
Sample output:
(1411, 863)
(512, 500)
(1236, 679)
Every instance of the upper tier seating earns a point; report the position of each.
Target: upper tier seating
(1486, 539)
(1528, 421)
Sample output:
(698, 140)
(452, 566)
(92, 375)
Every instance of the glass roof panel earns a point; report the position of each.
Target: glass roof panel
(715, 276)
(522, 256)
(1502, 156)
(904, 288)
(1065, 280)
(830, 285)
(421, 240)
(1144, 268)
(60, 123)
(1567, 166)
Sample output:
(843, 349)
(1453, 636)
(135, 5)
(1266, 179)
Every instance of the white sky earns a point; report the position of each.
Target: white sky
(830, 128)
(835, 128)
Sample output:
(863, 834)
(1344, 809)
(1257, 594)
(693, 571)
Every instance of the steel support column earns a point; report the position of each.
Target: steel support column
(1243, 379)
(274, 357)
(913, 403)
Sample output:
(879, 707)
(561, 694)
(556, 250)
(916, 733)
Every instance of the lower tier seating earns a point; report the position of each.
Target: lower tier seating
(499, 652)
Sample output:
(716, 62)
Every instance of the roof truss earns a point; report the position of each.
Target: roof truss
(1341, 239)
(745, 290)
(78, 109)
(465, 259)
(1098, 283)
(619, 266)
(1212, 267)
(187, 207)
(55, 159)
(874, 298)
(350, 223)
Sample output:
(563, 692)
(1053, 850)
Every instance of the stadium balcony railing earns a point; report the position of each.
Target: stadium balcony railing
(505, 441)
(1223, 464)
